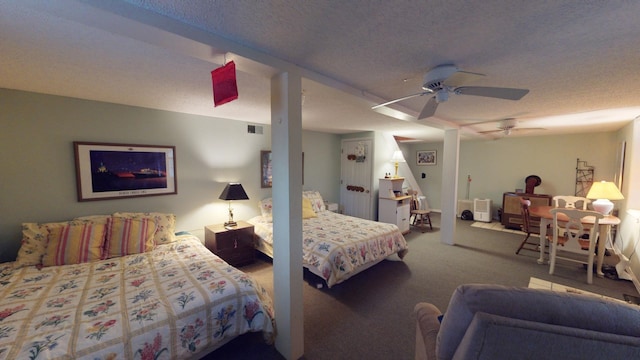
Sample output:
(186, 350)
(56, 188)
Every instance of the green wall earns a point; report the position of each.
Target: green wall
(496, 166)
(37, 182)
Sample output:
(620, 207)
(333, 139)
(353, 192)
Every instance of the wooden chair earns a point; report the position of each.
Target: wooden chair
(571, 202)
(420, 216)
(529, 229)
(568, 222)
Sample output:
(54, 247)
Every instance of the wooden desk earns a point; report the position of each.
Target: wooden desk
(546, 218)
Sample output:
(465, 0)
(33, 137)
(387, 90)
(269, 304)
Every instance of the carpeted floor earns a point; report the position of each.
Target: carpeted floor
(370, 316)
(494, 225)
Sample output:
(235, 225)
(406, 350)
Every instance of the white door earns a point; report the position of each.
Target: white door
(356, 171)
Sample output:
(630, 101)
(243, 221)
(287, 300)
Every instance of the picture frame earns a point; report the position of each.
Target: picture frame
(266, 170)
(113, 171)
(426, 157)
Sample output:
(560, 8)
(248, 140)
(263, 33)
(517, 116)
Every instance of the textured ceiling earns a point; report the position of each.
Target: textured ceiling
(578, 59)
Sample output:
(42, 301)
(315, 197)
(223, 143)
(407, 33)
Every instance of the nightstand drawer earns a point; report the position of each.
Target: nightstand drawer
(234, 245)
(234, 239)
(237, 257)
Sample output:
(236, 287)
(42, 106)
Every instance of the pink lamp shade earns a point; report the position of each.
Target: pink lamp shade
(604, 192)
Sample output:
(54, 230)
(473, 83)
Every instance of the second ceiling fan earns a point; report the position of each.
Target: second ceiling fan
(445, 79)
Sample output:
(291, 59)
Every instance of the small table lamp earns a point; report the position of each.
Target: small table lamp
(604, 191)
(233, 191)
(397, 158)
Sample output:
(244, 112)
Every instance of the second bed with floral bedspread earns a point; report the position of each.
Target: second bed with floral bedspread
(336, 246)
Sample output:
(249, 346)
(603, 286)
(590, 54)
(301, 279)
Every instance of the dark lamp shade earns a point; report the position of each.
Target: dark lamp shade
(233, 191)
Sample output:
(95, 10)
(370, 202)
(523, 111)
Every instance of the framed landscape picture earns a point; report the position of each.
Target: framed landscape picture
(426, 157)
(110, 171)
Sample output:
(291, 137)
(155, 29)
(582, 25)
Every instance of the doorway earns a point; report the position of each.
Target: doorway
(356, 177)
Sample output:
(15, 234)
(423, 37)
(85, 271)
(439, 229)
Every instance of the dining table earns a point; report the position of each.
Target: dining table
(604, 224)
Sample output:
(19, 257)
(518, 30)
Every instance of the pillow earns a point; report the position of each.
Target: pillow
(34, 242)
(317, 203)
(96, 219)
(165, 224)
(74, 243)
(34, 245)
(127, 236)
(307, 210)
(266, 206)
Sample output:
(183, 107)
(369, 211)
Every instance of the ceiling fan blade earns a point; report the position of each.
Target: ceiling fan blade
(401, 99)
(429, 108)
(462, 77)
(512, 130)
(494, 92)
(526, 130)
(490, 131)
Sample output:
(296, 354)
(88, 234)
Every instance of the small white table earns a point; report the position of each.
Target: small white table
(546, 218)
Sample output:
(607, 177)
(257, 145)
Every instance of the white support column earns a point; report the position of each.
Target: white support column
(286, 147)
(450, 160)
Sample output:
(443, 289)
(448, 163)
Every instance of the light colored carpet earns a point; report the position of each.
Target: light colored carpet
(370, 316)
(494, 225)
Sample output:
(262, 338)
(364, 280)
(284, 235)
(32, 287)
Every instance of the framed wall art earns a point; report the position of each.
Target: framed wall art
(111, 171)
(426, 157)
(266, 170)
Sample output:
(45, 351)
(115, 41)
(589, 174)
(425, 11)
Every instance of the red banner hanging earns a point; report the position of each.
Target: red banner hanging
(225, 88)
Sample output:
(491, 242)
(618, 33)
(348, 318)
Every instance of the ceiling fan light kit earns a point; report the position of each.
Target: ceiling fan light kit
(445, 79)
(442, 96)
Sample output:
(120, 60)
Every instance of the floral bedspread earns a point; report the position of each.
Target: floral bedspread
(178, 301)
(337, 246)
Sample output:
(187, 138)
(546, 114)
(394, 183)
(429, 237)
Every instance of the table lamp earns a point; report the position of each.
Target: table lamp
(397, 158)
(604, 191)
(233, 191)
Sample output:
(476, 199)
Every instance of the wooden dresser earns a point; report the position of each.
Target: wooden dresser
(511, 213)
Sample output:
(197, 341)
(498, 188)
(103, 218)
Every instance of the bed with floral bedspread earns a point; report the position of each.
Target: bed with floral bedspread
(178, 301)
(335, 246)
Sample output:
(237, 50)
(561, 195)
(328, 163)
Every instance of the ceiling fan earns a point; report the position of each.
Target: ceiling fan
(445, 79)
(509, 126)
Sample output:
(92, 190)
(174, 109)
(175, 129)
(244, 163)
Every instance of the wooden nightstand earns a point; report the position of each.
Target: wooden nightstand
(234, 245)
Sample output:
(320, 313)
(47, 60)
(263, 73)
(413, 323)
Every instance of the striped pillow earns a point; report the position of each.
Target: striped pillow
(165, 224)
(127, 236)
(74, 244)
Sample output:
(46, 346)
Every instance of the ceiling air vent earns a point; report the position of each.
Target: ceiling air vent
(254, 129)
